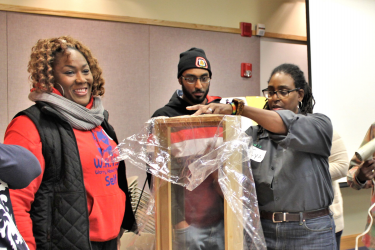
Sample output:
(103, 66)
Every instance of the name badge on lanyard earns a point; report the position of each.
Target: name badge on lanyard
(257, 154)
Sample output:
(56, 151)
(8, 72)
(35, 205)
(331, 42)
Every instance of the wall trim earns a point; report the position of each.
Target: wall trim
(127, 19)
(348, 242)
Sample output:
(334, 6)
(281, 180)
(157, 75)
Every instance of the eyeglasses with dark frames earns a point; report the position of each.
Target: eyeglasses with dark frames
(281, 94)
(193, 79)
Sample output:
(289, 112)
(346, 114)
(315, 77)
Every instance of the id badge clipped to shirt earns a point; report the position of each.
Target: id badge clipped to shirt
(257, 154)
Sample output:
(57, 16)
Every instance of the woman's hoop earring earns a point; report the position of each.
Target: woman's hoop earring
(63, 93)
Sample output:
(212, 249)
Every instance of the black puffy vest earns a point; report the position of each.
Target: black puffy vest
(59, 211)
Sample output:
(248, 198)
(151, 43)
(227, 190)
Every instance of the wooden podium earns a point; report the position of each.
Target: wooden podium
(233, 229)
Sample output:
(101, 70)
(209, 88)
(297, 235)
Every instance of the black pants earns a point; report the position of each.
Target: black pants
(106, 245)
(338, 239)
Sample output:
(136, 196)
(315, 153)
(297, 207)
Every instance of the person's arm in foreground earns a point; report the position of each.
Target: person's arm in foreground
(268, 119)
(306, 133)
(18, 166)
(338, 160)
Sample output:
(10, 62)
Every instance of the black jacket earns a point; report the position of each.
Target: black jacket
(59, 211)
(177, 106)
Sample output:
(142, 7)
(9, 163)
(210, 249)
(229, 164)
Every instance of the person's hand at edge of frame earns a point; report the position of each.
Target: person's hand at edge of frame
(366, 170)
(212, 108)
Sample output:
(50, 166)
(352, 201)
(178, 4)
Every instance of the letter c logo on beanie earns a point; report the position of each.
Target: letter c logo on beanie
(201, 62)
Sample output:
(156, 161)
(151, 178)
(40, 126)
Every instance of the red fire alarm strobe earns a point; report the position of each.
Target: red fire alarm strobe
(246, 70)
(246, 29)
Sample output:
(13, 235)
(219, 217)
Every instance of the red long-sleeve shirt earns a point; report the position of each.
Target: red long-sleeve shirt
(105, 200)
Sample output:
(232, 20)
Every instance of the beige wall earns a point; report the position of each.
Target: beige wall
(274, 52)
(356, 204)
(279, 16)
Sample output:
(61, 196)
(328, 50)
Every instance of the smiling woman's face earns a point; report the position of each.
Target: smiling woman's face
(72, 72)
(282, 81)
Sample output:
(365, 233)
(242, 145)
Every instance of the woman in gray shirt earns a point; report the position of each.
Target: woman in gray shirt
(290, 162)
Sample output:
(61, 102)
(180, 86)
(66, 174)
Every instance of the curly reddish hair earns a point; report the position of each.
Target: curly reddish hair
(42, 58)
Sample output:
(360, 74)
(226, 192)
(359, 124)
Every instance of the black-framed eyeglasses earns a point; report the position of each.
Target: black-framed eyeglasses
(281, 94)
(193, 79)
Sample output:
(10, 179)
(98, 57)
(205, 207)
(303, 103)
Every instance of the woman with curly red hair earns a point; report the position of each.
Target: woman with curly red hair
(79, 201)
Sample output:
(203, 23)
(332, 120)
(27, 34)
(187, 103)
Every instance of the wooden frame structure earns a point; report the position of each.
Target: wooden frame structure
(162, 189)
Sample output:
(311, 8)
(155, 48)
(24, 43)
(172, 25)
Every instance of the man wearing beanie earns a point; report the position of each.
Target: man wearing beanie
(194, 76)
(198, 216)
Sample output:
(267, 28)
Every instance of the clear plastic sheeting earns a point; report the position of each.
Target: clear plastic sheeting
(204, 182)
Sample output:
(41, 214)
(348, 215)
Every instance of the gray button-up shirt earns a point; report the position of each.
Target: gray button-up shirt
(294, 173)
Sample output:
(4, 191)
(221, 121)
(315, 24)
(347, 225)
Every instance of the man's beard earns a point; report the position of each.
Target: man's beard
(193, 99)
